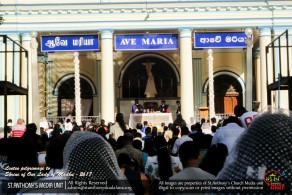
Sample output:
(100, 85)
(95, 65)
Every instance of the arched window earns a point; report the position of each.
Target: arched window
(135, 78)
(66, 97)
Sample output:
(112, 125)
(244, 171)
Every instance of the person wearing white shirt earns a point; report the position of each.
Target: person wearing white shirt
(228, 134)
(246, 117)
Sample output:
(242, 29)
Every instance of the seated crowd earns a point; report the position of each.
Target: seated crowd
(142, 157)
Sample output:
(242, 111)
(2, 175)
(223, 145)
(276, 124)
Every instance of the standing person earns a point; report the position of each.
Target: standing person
(139, 127)
(9, 123)
(7, 129)
(228, 134)
(131, 151)
(145, 125)
(213, 121)
(245, 116)
(178, 108)
(179, 121)
(189, 154)
(102, 124)
(137, 108)
(18, 129)
(163, 107)
(184, 137)
(119, 127)
(162, 165)
(167, 133)
(68, 125)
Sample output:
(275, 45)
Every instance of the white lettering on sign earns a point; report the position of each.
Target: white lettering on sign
(128, 42)
(217, 39)
(234, 39)
(157, 41)
(56, 42)
(81, 41)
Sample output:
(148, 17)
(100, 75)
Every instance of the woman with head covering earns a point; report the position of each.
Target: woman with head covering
(88, 157)
(179, 121)
(119, 127)
(263, 150)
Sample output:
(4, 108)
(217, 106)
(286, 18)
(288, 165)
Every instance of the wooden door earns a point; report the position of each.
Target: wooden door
(229, 103)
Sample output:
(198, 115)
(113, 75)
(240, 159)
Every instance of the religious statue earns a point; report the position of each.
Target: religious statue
(150, 90)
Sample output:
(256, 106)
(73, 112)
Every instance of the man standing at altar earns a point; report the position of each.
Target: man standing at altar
(137, 108)
(163, 107)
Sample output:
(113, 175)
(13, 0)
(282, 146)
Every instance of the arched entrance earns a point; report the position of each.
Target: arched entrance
(228, 91)
(133, 78)
(65, 91)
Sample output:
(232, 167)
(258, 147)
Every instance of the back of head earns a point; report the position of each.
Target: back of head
(54, 151)
(189, 151)
(21, 152)
(137, 144)
(232, 119)
(196, 127)
(97, 156)
(179, 117)
(123, 160)
(159, 142)
(147, 130)
(148, 146)
(139, 126)
(213, 120)
(171, 126)
(128, 138)
(214, 159)
(19, 121)
(31, 128)
(119, 117)
(175, 131)
(185, 131)
(239, 110)
(213, 128)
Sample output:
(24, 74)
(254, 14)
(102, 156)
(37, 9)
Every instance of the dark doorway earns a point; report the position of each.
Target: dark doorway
(228, 93)
(66, 97)
(135, 78)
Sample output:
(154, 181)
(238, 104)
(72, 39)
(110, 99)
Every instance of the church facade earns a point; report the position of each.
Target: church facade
(146, 50)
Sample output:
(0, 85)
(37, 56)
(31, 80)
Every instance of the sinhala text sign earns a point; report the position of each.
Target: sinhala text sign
(219, 40)
(69, 43)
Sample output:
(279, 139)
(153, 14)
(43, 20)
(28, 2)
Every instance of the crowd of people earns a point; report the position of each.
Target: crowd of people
(244, 147)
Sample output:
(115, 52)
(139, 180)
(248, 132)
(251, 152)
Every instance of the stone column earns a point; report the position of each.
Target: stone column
(211, 84)
(248, 81)
(258, 75)
(186, 73)
(265, 39)
(77, 88)
(107, 76)
(34, 86)
(98, 81)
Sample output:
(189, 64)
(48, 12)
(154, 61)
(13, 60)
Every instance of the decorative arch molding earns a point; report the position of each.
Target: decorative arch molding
(229, 73)
(169, 62)
(69, 76)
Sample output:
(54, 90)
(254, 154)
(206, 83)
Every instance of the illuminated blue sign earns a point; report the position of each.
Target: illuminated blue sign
(219, 40)
(146, 42)
(69, 43)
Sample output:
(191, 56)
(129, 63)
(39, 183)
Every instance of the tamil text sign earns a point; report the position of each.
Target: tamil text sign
(69, 43)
